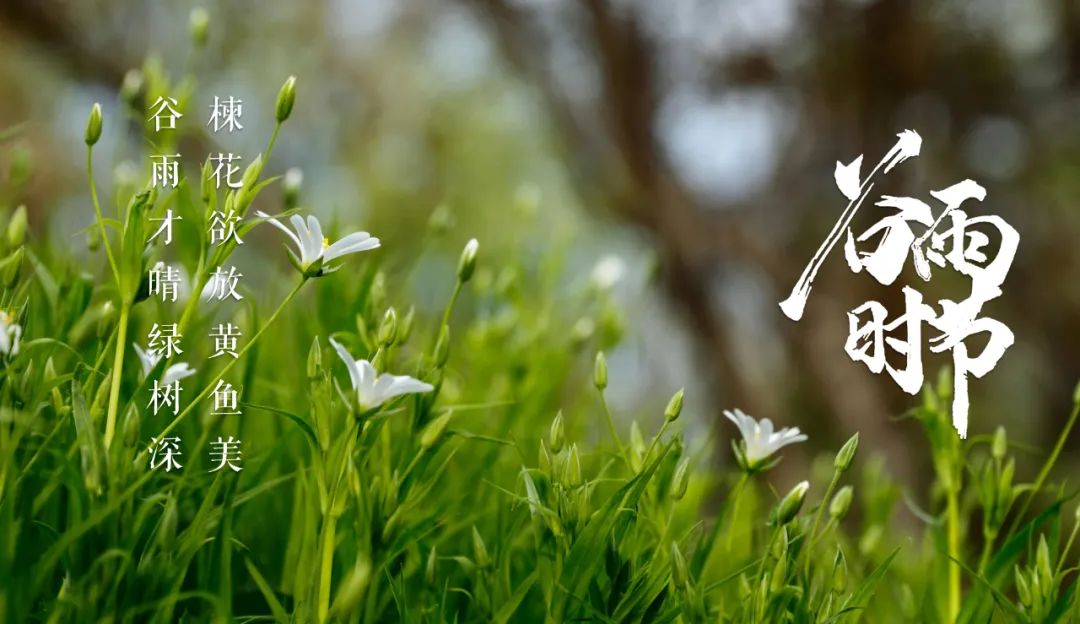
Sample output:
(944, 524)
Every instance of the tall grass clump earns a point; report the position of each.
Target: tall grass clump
(463, 464)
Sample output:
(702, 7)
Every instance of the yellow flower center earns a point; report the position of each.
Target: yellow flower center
(6, 317)
(325, 242)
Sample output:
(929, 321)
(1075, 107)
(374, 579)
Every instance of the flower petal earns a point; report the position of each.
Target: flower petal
(355, 242)
(350, 363)
(177, 372)
(274, 222)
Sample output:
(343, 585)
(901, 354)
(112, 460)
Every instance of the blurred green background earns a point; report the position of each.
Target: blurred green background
(684, 147)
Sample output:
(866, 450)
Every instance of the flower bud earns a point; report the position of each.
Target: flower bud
(9, 268)
(480, 553)
(388, 327)
(106, 317)
(198, 22)
(93, 125)
(600, 371)
(1000, 446)
(572, 467)
(93, 240)
(680, 480)
(251, 174)
(131, 428)
(441, 219)
(1042, 561)
(839, 572)
(434, 430)
(908, 606)
(779, 574)
(16, 228)
(680, 575)
(841, 503)
(846, 454)
(377, 291)
(285, 99)
(290, 186)
(674, 406)
(557, 434)
(791, 504)
(131, 88)
(467, 261)
(1023, 590)
(314, 359)
(543, 459)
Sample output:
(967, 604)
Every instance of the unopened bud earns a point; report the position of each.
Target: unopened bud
(1000, 446)
(251, 174)
(406, 325)
(680, 480)
(441, 219)
(434, 430)
(290, 186)
(600, 371)
(314, 359)
(1023, 589)
(285, 99)
(131, 88)
(557, 434)
(791, 504)
(544, 459)
(480, 553)
(846, 455)
(779, 574)
(572, 467)
(388, 327)
(93, 125)
(9, 268)
(16, 228)
(841, 503)
(1042, 560)
(839, 573)
(105, 318)
(674, 406)
(680, 575)
(467, 261)
(199, 22)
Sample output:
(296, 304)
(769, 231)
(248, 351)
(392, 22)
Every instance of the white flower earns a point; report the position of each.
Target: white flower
(761, 442)
(150, 359)
(373, 389)
(607, 272)
(313, 247)
(10, 334)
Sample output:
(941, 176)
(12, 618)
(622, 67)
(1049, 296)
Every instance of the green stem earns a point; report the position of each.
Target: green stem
(743, 478)
(614, 434)
(1047, 467)
(988, 547)
(118, 367)
(449, 309)
(327, 566)
(273, 139)
(812, 537)
(953, 528)
(210, 386)
(100, 218)
(1068, 547)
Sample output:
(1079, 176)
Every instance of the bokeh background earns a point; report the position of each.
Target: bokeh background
(679, 152)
